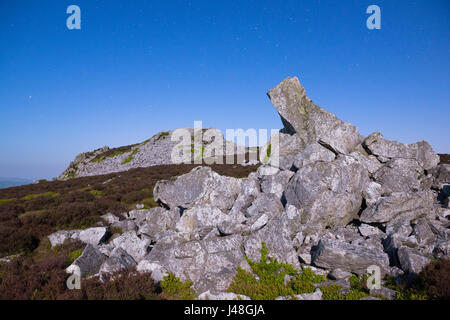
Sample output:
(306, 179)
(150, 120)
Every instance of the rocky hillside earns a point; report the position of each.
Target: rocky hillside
(152, 152)
(309, 228)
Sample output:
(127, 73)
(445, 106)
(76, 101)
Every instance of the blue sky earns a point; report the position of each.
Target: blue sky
(138, 67)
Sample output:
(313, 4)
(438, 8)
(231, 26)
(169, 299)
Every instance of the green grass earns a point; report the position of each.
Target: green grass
(131, 156)
(269, 283)
(96, 193)
(72, 175)
(45, 194)
(73, 256)
(268, 152)
(2, 201)
(175, 289)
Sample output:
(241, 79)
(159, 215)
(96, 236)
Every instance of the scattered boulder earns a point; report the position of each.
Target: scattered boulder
(88, 262)
(137, 247)
(93, 236)
(119, 259)
(59, 237)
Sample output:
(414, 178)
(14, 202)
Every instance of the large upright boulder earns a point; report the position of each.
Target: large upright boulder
(310, 122)
(385, 150)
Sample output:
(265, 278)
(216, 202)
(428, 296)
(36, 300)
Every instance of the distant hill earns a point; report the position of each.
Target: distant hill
(13, 182)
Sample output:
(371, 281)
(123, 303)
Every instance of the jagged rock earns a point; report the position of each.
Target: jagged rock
(201, 185)
(370, 231)
(93, 236)
(250, 190)
(276, 183)
(88, 262)
(441, 249)
(135, 246)
(157, 221)
(386, 149)
(313, 124)
(266, 203)
(59, 237)
(338, 274)
(118, 259)
(348, 257)
(387, 208)
(399, 175)
(441, 174)
(125, 225)
(312, 153)
(343, 283)
(221, 296)
(110, 218)
(329, 193)
(384, 292)
(293, 215)
(370, 162)
(157, 271)
(276, 237)
(411, 260)
(211, 263)
(138, 214)
(243, 225)
(266, 170)
(372, 193)
(198, 219)
(423, 232)
(286, 146)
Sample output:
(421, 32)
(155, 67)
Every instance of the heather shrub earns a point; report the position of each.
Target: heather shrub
(175, 289)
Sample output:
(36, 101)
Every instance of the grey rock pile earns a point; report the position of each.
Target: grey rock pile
(338, 202)
(152, 152)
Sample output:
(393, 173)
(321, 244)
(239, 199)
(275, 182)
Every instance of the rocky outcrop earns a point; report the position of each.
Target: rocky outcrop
(310, 122)
(155, 151)
(328, 193)
(336, 202)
